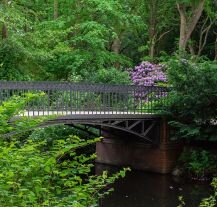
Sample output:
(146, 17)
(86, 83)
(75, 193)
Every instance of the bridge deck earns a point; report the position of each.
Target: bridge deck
(87, 115)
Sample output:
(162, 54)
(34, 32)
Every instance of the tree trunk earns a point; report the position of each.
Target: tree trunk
(183, 22)
(191, 49)
(56, 9)
(116, 45)
(216, 48)
(4, 31)
(152, 27)
(188, 23)
(152, 49)
(4, 26)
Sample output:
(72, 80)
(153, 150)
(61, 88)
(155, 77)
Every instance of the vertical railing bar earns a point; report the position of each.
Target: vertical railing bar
(27, 105)
(33, 105)
(89, 101)
(152, 100)
(67, 101)
(100, 101)
(134, 100)
(70, 97)
(62, 101)
(104, 102)
(112, 102)
(127, 100)
(141, 97)
(48, 101)
(43, 102)
(79, 101)
(76, 104)
(108, 98)
(116, 98)
(94, 108)
(76, 101)
(56, 105)
(147, 100)
(38, 102)
(82, 101)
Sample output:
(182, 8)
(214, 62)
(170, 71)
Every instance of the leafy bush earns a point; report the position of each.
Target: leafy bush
(58, 177)
(111, 76)
(193, 102)
(199, 163)
(13, 56)
(206, 202)
(32, 175)
(212, 200)
(14, 107)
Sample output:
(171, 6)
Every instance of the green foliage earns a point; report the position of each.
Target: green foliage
(89, 36)
(55, 132)
(12, 58)
(193, 100)
(199, 163)
(57, 177)
(111, 76)
(212, 200)
(182, 202)
(33, 174)
(206, 202)
(11, 109)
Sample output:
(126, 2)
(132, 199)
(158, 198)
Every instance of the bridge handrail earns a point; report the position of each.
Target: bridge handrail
(91, 98)
(52, 85)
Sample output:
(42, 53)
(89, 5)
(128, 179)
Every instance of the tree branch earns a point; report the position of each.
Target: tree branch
(162, 35)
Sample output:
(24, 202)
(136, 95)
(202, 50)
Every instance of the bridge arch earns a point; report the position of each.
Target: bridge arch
(147, 129)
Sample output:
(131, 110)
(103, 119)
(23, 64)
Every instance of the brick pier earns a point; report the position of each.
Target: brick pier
(122, 149)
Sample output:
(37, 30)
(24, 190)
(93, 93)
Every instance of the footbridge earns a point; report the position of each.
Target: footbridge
(132, 111)
(128, 108)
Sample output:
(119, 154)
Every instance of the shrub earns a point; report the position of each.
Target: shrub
(193, 102)
(111, 76)
(34, 175)
(206, 202)
(200, 164)
(55, 177)
(212, 200)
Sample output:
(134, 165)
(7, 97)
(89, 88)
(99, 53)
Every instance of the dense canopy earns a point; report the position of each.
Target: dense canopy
(97, 40)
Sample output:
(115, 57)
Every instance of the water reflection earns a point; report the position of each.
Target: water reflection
(140, 189)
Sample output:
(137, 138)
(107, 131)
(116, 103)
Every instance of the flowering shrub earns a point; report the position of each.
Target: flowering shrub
(148, 74)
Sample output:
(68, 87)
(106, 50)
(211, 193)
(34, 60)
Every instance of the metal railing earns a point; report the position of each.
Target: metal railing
(75, 98)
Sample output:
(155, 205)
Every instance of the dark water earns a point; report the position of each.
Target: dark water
(140, 189)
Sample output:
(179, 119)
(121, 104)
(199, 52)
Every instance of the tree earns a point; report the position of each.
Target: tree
(4, 26)
(158, 16)
(190, 14)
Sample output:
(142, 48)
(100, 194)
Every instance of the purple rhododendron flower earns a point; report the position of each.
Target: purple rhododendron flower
(148, 74)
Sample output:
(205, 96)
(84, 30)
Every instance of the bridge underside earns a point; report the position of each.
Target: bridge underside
(146, 127)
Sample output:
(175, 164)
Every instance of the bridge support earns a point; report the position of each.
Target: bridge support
(121, 149)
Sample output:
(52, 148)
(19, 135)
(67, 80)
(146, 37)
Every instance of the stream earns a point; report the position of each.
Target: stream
(142, 189)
